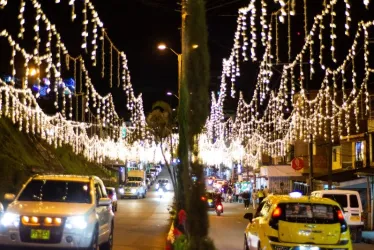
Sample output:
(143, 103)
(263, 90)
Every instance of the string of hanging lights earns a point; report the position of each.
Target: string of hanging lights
(289, 115)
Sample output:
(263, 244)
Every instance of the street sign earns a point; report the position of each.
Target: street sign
(297, 163)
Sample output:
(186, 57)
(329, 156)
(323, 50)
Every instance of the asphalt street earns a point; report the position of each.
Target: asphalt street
(142, 224)
(227, 230)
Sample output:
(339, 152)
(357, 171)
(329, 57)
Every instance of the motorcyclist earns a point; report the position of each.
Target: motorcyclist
(218, 200)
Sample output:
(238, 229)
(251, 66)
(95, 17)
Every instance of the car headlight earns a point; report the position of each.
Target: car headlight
(76, 222)
(10, 219)
(133, 190)
(121, 191)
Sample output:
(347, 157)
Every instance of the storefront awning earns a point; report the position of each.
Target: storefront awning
(279, 171)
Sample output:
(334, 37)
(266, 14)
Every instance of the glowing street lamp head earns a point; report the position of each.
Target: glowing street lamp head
(195, 46)
(169, 93)
(32, 72)
(161, 46)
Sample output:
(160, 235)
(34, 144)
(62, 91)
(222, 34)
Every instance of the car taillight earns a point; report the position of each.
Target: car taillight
(275, 218)
(343, 224)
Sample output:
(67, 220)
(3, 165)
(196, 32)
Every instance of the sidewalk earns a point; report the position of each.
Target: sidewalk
(368, 237)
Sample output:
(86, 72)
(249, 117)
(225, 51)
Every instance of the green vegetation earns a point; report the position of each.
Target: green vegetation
(22, 155)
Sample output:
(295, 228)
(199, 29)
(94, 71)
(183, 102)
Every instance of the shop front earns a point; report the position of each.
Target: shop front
(280, 179)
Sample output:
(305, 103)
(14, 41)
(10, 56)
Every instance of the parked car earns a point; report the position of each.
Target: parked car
(112, 194)
(297, 222)
(154, 170)
(350, 201)
(59, 211)
(159, 168)
(151, 177)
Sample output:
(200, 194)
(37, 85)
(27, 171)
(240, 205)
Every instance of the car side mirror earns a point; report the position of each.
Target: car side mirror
(248, 216)
(104, 202)
(9, 197)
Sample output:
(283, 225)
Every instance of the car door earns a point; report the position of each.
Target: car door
(102, 213)
(252, 231)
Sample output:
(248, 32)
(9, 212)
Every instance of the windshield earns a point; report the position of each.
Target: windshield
(133, 178)
(131, 184)
(309, 213)
(56, 191)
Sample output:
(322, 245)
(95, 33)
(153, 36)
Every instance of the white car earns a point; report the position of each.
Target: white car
(132, 189)
(59, 211)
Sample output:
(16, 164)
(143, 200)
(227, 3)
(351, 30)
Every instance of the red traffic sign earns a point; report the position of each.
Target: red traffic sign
(297, 163)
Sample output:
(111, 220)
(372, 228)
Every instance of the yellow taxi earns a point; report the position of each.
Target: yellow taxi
(296, 222)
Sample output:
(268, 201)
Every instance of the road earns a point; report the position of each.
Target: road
(142, 224)
(227, 230)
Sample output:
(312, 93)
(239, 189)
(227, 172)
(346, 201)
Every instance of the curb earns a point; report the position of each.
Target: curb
(368, 241)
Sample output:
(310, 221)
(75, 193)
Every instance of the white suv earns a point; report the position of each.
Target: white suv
(59, 211)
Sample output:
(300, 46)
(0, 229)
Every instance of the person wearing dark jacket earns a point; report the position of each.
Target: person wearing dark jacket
(245, 196)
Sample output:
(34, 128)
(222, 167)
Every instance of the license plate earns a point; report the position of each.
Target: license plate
(39, 234)
(355, 218)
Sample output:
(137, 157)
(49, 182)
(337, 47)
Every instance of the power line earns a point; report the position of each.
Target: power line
(222, 5)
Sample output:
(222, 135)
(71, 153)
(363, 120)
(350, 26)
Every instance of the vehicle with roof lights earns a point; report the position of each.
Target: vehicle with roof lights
(296, 222)
(59, 211)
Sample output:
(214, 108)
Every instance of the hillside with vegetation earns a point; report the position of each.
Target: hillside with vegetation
(23, 155)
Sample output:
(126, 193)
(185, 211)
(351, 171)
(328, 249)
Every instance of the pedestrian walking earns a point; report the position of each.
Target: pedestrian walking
(245, 196)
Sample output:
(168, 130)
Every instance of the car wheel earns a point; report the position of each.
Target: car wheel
(95, 241)
(109, 244)
(356, 235)
(245, 243)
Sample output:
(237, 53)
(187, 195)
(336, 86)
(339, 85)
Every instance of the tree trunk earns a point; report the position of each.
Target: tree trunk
(172, 177)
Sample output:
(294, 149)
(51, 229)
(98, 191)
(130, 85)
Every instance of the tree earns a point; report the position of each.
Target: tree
(195, 85)
(160, 124)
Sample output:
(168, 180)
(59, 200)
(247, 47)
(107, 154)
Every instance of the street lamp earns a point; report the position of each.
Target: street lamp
(171, 93)
(162, 46)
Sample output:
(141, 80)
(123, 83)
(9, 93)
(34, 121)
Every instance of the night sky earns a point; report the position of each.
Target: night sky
(137, 26)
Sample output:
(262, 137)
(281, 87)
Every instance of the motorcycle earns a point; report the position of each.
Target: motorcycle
(219, 209)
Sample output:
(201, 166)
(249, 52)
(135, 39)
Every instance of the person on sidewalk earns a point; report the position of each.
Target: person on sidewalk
(245, 196)
(266, 191)
(254, 198)
(260, 195)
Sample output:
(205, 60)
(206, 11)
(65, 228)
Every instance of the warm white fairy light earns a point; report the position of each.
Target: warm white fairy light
(21, 19)
(332, 29)
(72, 4)
(260, 133)
(263, 22)
(85, 23)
